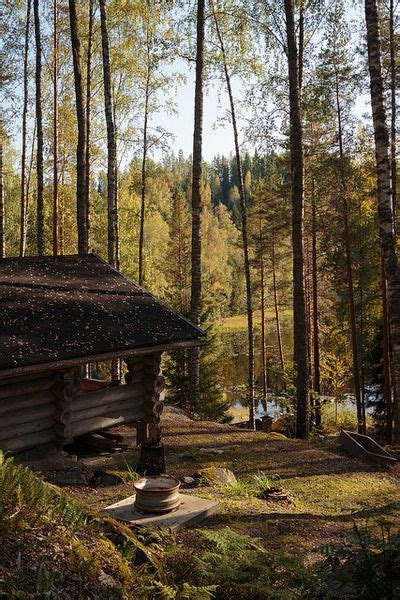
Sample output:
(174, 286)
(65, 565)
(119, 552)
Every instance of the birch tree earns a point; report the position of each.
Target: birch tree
(385, 207)
(39, 132)
(196, 282)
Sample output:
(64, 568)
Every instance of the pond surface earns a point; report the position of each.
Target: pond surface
(234, 369)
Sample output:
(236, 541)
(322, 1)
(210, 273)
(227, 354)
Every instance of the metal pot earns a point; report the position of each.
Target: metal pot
(158, 494)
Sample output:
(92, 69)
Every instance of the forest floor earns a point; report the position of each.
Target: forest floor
(328, 492)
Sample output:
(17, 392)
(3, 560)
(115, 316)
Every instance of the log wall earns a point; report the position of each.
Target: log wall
(27, 412)
(53, 407)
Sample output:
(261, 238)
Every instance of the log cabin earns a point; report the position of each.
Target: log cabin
(60, 313)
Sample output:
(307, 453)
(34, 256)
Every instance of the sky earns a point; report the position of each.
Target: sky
(217, 136)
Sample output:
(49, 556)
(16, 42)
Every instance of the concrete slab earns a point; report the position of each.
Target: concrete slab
(192, 511)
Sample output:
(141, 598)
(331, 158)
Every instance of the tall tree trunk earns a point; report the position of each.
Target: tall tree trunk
(81, 200)
(385, 208)
(61, 210)
(22, 239)
(301, 44)
(349, 264)
(387, 388)
(196, 283)
(55, 129)
(308, 308)
(317, 372)
(144, 156)
(393, 128)
(88, 117)
(117, 236)
(2, 211)
(277, 319)
(28, 180)
(243, 211)
(39, 132)
(110, 135)
(300, 357)
(262, 289)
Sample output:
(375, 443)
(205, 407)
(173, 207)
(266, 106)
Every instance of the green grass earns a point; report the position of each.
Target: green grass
(239, 322)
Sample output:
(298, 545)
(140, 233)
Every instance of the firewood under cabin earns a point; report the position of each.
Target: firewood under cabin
(61, 313)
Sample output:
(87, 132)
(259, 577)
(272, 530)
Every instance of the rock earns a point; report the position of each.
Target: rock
(218, 475)
(211, 450)
(189, 482)
(107, 580)
(106, 479)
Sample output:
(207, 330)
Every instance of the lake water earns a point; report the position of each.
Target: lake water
(235, 365)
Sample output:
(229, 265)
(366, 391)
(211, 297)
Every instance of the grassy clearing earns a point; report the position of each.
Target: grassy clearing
(267, 548)
(239, 322)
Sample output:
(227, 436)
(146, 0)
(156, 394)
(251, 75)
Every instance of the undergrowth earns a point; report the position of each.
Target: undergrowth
(257, 485)
(238, 565)
(53, 547)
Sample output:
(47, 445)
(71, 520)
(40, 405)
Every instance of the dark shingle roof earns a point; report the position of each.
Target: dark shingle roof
(55, 309)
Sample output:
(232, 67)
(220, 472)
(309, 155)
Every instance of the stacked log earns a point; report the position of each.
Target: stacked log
(42, 408)
(82, 412)
(27, 412)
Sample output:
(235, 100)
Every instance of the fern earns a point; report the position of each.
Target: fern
(188, 592)
(24, 492)
(238, 560)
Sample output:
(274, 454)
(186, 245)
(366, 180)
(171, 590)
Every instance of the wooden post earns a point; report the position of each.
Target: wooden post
(152, 458)
(66, 387)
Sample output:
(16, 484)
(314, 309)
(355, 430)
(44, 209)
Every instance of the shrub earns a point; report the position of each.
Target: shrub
(242, 568)
(368, 569)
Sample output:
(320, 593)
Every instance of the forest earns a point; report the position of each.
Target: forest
(238, 160)
(292, 222)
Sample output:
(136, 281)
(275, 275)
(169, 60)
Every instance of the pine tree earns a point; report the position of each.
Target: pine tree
(300, 356)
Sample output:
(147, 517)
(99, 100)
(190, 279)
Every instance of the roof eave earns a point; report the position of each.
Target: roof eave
(70, 363)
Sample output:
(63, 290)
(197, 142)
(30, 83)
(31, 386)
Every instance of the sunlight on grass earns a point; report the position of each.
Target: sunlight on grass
(344, 492)
(239, 322)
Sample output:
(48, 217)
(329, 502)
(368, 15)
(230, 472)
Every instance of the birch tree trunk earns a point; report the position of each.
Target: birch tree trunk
(143, 174)
(300, 357)
(55, 129)
(81, 200)
(22, 239)
(385, 207)
(2, 212)
(110, 134)
(393, 105)
(196, 283)
(243, 213)
(39, 132)
(88, 116)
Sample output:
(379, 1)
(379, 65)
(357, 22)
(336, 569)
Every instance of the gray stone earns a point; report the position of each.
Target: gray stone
(189, 482)
(218, 475)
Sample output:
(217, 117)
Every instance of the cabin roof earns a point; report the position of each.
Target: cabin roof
(65, 310)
